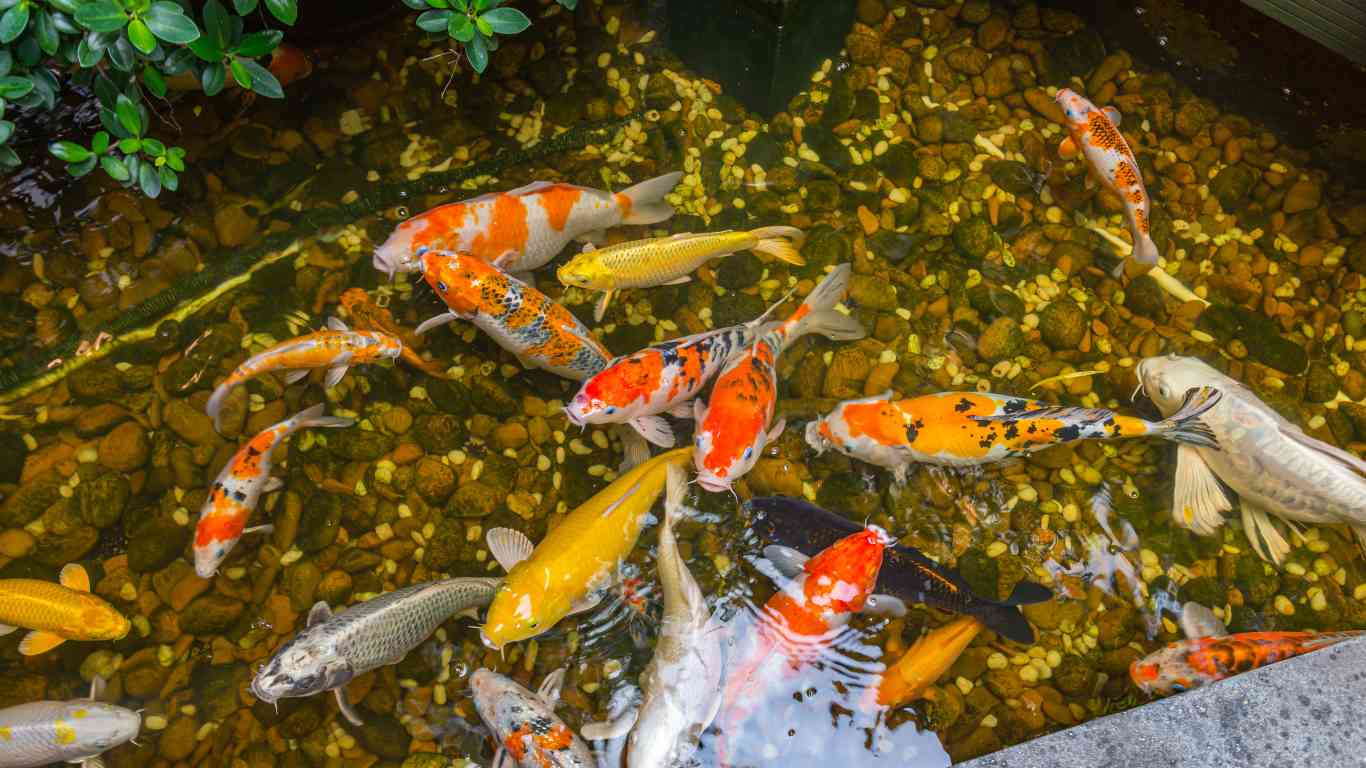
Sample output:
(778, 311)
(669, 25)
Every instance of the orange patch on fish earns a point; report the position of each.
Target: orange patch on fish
(506, 232)
(1104, 134)
(623, 203)
(880, 421)
(558, 202)
(557, 738)
(219, 527)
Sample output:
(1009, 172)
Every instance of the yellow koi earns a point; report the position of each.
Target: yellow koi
(577, 560)
(57, 612)
(932, 655)
(670, 260)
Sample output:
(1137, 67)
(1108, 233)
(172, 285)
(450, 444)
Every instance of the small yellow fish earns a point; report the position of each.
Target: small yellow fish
(577, 560)
(670, 260)
(57, 612)
(931, 656)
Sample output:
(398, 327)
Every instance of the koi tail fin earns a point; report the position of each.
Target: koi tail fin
(215, 405)
(644, 203)
(313, 417)
(1141, 260)
(1006, 619)
(676, 490)
(781, 243)
(818, 314)
(1185, 425)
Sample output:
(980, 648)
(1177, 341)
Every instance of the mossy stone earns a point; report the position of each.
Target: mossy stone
(735, 308)
(825, 247)
(1075, 676)
(1320, 383)
(846, 493)
(439, 433)
(1145, 298)
(1062, 324)
(383, 736)
(1205, 590)
(1001, 340)
(980, 572)
(822, 195)
(319, 526)
(155, 543)
(739, 270)
(627, 338)
(899, 164)
(356, 444)
(992, 301)
(1233, 186)
(450, 397)
(215, 689)
(974, 238)
(493, 397)
(1013, 176)
(210, 614)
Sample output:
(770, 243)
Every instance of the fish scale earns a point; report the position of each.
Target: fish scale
(43, 732)
(382, 630)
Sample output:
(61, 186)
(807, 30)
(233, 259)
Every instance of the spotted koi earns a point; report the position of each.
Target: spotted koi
(336, 349)
(1094, 133)
(522, 229)
(223, 518)
(524, 321)
(366, 315)
(964, 429)
(524, 724)
(735, 423)
(1193, 662)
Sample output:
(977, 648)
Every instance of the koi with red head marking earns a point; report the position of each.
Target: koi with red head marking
(523, 229)
(223, 518)
(1094, 133)
(520, 318)
(734, 425)
(1191, 663)
(974, 428)
(335, 349)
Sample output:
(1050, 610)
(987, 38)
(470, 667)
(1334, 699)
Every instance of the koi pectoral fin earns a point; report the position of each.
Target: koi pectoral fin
(788, 561)
(294, 377)
(549, 690)
(1199, 501)
(586, 603)
(435, 322)
(38, 641)
(344, 704)
(600, 309)
(1263, 535)
(259, 529)
(73, 576)
(777, 430)
(338, 370)
(610, 729)
(683, 410)
(5, 629)
(508, 547)
(272, 485)
(655, 430)
(1067, 149)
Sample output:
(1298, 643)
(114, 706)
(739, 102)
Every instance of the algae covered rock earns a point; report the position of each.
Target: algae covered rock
(1233, 185)
(101, 501)
(210, 614)
(1001, 340)
(1062, 324)
(356, 444)
(125, 448)
(383, 736)
(154, 544)
(439, 433)
(974, 238)
(825, 247)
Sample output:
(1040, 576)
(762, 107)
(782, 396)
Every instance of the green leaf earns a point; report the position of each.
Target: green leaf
(438, 3)
(168, 178)
(128, 115)
(435, 21)
(240, 73)
(287, 11)
(213, 78)
(64, 24)
(8, 158)
(149, 180)
(101, 16)
(570, 4)
(153, 147)
(68, 151)
(416, 5)
(207, 48)
(482, 5)
(259, 43)
(129, 145)
(243, 7)
(461, 28)
(121, 55)
(114, 168)
(6, 61)
(6, 130)
(216, 25)
(169, 23)
(86, 56)
(462, 5)
(13, 23)
(262, 81)
(65, 6)
(14, 87)
(154, 81)
(178, 61)
(82, 168)
(141, 37)
(45, 31)
(100, 144)
(484, 28)
(477, 52)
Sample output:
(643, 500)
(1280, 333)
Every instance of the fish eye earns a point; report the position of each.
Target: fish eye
(611, 409)
(1164, 390)
(440, 286)
(421, 249)
(749, 452)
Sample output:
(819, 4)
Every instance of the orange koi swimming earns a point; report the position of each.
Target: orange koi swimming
(335, 349)
(733, 426)
(223, 518)
(1191, 663)
(1094, 133)
(525, 228)
(57, 612)
(802, 618)
(661, 378)
(524, 321)
(965, 429)
(366, 315)
(927, 660)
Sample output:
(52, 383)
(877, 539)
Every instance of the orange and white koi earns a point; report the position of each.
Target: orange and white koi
(1094, 133)
(964, 429)
(366, 315)
(1209, 654)
(335, 349)
(524, 723)
(233, 496)
(636, 388)
(801, 619)
(524, 321)
(525, 228)
(670, 260)
(57, 612)
(733, 426)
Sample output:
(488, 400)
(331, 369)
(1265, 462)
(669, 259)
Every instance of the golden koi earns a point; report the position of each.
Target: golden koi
(366, 315)
(57, 612)
(926, 661)
(670, 260)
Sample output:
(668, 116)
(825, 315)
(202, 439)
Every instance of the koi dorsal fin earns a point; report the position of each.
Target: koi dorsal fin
(318, 613)
(73, 576)
(1197, 621)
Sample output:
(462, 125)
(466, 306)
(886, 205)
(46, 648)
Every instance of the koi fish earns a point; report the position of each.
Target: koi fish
(733, 426)
(524, 321)
(661, 378)
(924, 662)
(1209, 653)
(798, 621)
(670, 260)
(525, 228)
(332, 650)
(1275, 468)
(335, 349)
(366, 315)
(578, 560)
(907, 576)
(1094, 133)
(223, 518)
(40, 733)
(57, 612)
(524, 723)
(968, 429)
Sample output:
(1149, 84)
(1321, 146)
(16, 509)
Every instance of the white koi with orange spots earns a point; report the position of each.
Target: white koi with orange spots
(1094, 133)
(525, 228)
(733, 426)
(524, 723)
(223, 518)
(335, 349)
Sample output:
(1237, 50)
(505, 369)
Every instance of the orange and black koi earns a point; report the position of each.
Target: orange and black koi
(1191, 663)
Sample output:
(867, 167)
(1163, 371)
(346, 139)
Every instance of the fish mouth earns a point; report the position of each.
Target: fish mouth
(712, 484)
(573, 417)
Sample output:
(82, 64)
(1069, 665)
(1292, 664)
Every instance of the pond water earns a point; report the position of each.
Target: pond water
(926, 157)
